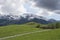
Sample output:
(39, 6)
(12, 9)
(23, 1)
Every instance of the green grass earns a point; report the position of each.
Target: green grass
(16, 29)
(47, 35)
(12, 30)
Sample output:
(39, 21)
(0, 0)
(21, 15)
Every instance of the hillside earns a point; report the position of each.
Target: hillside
(28, 31)
(17, 29)
(48, 35)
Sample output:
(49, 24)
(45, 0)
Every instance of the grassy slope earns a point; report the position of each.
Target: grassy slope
(16, 29)
(48, 35)
(29, 27)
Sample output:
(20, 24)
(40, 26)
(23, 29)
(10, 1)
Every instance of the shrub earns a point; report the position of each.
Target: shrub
(38, 26)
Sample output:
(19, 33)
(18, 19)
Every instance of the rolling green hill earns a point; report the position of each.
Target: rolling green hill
(17, 29)
(47, 35)
(11, 30)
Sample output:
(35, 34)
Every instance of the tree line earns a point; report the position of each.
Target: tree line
(49, 26)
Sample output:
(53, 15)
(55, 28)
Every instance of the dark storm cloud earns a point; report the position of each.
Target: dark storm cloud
(48, 4)
(57, 11)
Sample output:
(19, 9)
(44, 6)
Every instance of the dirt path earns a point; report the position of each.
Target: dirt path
(22, 34)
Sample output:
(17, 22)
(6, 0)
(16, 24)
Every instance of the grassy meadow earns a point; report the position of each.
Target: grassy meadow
(47, 35)
(11, 30)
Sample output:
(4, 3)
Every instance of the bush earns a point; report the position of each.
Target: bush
(57, 25)
(38, 26)
(54, 25)
(49, 26)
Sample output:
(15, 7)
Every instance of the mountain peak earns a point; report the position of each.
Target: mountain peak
(24, 18)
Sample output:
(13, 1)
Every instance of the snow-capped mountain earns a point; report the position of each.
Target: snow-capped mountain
(24, 18)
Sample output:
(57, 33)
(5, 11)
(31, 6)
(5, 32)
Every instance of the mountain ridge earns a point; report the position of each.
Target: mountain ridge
(25, 18)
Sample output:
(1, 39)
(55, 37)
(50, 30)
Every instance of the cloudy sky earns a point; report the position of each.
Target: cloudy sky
(46, 8)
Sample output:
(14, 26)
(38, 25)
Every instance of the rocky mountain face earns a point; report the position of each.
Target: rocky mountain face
(25, 18)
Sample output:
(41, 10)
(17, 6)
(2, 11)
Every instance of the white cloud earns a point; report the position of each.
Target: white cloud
(44, 13)
(22, 9)
(2, 2)
(12, 6)
(57, 11)
(17, 7)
